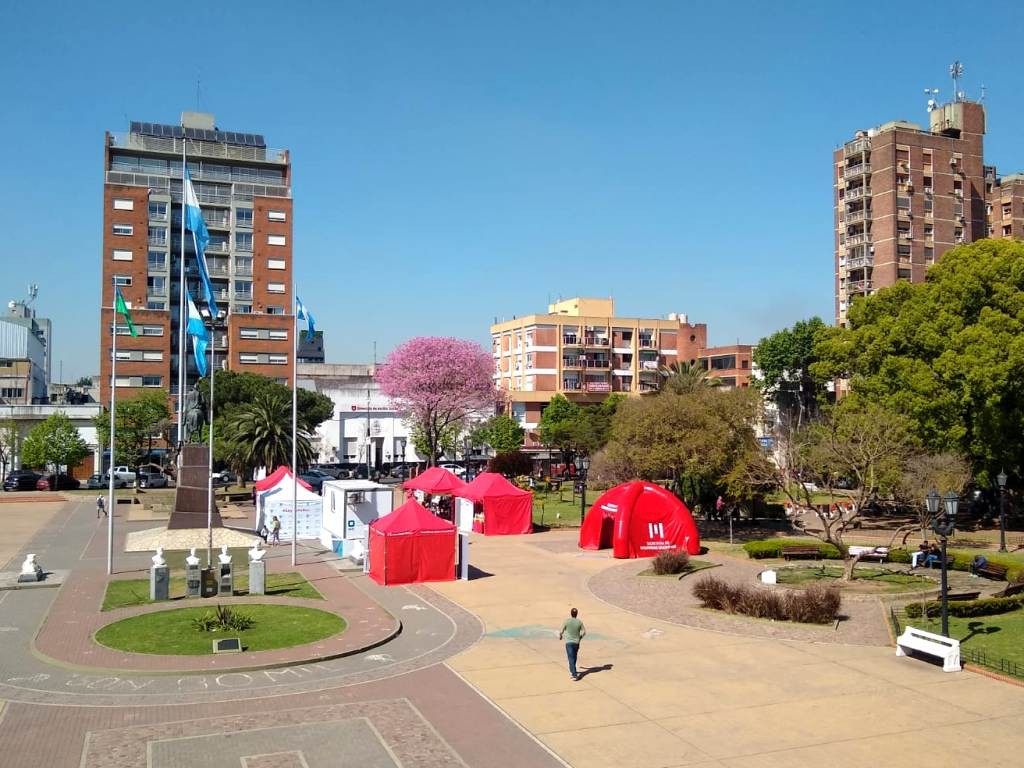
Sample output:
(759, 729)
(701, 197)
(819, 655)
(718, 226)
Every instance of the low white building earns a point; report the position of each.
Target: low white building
(25, 417)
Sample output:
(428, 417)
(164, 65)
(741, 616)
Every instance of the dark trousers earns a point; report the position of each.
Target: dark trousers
(572, 650)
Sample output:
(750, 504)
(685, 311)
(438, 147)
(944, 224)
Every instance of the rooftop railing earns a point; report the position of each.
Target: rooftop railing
(198, 148)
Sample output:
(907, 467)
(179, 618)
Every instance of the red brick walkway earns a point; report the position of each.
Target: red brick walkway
(78, 605)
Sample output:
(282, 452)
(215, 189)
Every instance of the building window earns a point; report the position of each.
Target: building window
(243, 241)
(277, 216)
(123, 381)
(158, 305)
(243, 288)
(158, 235)
(243, 217)
(275, 310)
(156, 284)
(279, 335)
(124, 229)
(122, 280)
(928, 207)
(153, 357)
(152, 330)
(903, 203)
(275, 287)
(243, 309)
(275, 264)
(122, 255)
(121, 204)
(249, 359)
(903, 274)
(248, 333)
(277, 359)
(157, 260)
(151, 381)
(157, 211)
(723, 363)
(122, 355)
(276, 240)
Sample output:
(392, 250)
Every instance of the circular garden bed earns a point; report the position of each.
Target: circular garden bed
(869, 580)
(178, 632)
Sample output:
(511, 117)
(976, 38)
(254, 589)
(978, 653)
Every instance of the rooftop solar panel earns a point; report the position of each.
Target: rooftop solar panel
(197, 134)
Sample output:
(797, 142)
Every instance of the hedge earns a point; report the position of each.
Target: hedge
(968, 609)
(963, 559)
(765, 548)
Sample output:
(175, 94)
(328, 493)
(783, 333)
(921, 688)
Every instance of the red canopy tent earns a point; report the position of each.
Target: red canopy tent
(639, 519)
(279, 474)
(411, 545)
(507, 509)
(436, 480)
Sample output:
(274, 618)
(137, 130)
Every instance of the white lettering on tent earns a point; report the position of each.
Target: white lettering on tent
(656, 530)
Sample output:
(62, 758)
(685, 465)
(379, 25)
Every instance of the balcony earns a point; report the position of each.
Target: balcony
(596, 363)
(852, 217)
(570, 340)
(856, 146)
(858, 286)
(247, 271)
(857, 193)
(858, 262)
(159, 241)
(857, 239)
(856, 170)
(572, 362)
(646, 342)
(596, 341)
(571, 385)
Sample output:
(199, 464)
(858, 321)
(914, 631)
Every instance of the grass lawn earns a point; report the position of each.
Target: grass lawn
(172, 633)
(126, 592)
(560, 509)
(999, 637)
(693, 566)
(868, 579)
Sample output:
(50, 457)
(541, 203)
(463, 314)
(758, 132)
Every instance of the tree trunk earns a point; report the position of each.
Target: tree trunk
(849, 564)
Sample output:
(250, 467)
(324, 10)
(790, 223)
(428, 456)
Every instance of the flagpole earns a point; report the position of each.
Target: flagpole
(181, 314)
(295, 410)
(113, 395)
(209, 486)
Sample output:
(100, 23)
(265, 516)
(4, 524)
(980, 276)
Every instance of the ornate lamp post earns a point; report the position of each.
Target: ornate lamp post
(944, 525)
(1001, 479)
(582, 464)
(400, 454)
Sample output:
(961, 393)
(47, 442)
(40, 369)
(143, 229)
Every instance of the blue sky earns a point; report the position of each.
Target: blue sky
(460, 161)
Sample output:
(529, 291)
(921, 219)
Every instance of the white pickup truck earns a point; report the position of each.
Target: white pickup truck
(123, 477)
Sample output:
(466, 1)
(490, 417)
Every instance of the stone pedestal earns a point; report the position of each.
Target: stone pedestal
(209, 580)
(257, 577)
(190, 495)
(30, 570)
(225, 585)
(159, 582)
(193, 581)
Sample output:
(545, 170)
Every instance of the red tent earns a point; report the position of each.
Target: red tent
(279, 474)
(411, 545)
(639, 519)
(436, 480)
(507, 509)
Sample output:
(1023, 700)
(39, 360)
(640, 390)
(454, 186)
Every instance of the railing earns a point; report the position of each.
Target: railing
(853, 217)
(596, 363)
(157, 292)
(572, 362)
(156, 240)
(905, 235)
(646, 342)
(596, 341)
(572, 341)
(858, 286)
(571, 386)
(857, 239)
(243, 270)
(243, 246)
(201, 148)
(857, 193)
(856, 170)
(860, 261)
(856, 147)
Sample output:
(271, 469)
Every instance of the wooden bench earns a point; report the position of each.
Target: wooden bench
(936, 561)
(992, 571)
(1011, 590)
(930, 644)
(963, 595)
(879, 553)
(800, 551)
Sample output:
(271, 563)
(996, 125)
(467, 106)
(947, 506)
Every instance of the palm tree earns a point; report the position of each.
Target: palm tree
(683, 378)
(262, 431)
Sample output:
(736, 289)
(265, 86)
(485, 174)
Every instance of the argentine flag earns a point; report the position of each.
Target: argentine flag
(301, 313)
(200, 237)
(196, 328)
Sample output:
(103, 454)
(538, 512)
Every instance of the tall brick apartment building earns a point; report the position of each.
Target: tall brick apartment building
(244, 189)
(582, 350)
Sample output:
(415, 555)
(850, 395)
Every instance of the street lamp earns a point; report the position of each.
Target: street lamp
(467, 447)
(582, 464)
(400, 453)
(944, 525)
(1001, 479)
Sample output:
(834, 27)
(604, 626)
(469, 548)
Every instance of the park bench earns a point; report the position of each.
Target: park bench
(963, 595)
(992, 571)
(877, 553)
(800, 551)
(930, 644)
(935, 561)
(1011, 590)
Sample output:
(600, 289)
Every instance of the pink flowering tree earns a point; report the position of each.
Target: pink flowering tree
(436, 383)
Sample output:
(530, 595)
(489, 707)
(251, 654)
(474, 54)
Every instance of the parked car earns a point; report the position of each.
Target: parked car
(123, 477)
(57, 482)
(316, 479)
(152, 480)
(225, 476)
(455, 469)
(95, 481)
(21, 480)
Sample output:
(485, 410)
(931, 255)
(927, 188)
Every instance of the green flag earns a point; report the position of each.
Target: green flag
(120, 306)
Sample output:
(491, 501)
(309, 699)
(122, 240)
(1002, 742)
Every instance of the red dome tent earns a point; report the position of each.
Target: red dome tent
(436, 480)
(507, 509)
(639, 519)
(411, 545)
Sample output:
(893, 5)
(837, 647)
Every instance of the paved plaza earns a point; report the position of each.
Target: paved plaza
(471, 674)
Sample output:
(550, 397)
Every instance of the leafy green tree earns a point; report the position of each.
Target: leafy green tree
(8, 444)
(682, 378)
(784, 359)
(947, 353)
(262, 432)
(556, 423)
(54, 442)
(447, 440)
(233, 389)
(502, 433)
(139, 419)
(511, 464)
(574, 428)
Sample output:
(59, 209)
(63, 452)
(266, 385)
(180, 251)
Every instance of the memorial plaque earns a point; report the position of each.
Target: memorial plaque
(209, 582)
(193, 581)
(226, 588)
(227, 645)
(257, 577)
(159, 582)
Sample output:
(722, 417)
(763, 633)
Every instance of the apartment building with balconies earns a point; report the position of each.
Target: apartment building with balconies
(244, 190)
(903, 196)
(582, 350)
(1005, 205)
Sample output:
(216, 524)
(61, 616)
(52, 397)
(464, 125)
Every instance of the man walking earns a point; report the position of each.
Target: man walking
(572, 632)
(101, 508)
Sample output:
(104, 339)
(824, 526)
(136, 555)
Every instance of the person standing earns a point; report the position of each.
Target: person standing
(572, 632)
(275, 530)
(101, 507)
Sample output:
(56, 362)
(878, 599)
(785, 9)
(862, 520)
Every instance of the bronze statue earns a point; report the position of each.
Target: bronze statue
(195, 416)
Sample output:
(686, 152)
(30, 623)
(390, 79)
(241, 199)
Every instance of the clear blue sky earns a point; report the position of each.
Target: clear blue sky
(457, 161)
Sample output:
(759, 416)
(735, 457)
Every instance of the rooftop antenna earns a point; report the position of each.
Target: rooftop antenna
(33, 291)
(982, 94)
(956, 71)
(931, 93)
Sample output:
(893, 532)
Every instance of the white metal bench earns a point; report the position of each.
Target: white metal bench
(931, 644)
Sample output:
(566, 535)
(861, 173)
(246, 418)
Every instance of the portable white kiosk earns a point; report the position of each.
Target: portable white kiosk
(349, 508)
(276, 499)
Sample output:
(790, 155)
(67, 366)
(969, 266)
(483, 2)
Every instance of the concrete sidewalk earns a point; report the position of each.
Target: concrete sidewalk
(661, 695)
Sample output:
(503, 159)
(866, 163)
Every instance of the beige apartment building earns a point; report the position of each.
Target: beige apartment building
(1005, 205)
(582, 350)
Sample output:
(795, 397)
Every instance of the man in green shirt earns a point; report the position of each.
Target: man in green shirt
(572, 632)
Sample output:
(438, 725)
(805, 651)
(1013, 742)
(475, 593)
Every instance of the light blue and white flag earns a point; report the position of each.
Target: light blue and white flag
(301, 313)
(196, 328)
(200, 238)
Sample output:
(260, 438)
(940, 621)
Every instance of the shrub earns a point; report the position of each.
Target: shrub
(667, 563)
(511, 463)
(962, 560)
(968, 609)
(815, 605)
(223, 618)
(765, 548)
